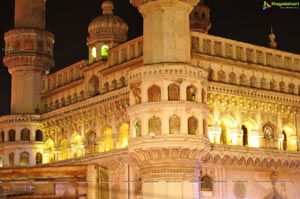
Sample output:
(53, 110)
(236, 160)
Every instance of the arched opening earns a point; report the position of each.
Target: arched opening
(174, 124)
(250, 137)
(75, 97)
(263, 83)
(173, 92)
(11, 135)
(138, 128)
(11, 159)
(76, 145)
(136, 91)
(93, 86)
(106, 87)
(253, 81)
(291, 88)
(206, 183)
(221, 76)
(154, 93)
(94, 54)
(106, 134)
(38, 135)
(122, 80)
(104, 51)
(243, 80)
(226, 123)
(38, 158)
(25, 134)
(245, 135)
(114, 84)
(63, 149)
(24, 158)
(154, 126)
(281, 86)
(289, 137)
(205, 127)
(191, 93)
(1, 136)
(272, 85)
(49, 151)
(232, 78)
(284, 144)
(192, 125)
(123, 133)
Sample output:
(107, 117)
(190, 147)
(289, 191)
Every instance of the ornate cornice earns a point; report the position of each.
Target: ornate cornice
(13, 119)
(228, 155)
(167, 70)
(15, 60)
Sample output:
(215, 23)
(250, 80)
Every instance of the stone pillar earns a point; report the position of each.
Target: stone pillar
(30, 55)
(92, 186)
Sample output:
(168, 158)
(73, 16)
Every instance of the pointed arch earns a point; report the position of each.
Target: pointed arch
(232, 78)
(106, 134)
(38, 158)
(243, 80)
(191, 92)
(221, 76)
(25, 134)
(114, 84)
(174, 124)
(49, 151)
(24, 158)
(76, 144)
(173, 92)
(192, 125)
(39, 135)
(138, 127)
(11, 135)
(226, 123)
(154, 93)
(123, 135)
(154, 124)
(206, 183)
(288, 131)
(93, 86)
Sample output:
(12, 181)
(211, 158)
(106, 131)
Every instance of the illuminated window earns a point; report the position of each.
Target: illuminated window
(24, 158)
(39, 158)
(94, 53)
(104, 51)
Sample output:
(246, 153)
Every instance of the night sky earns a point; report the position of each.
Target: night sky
(68, 20)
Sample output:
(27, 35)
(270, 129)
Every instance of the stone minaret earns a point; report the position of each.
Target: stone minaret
(168, 111)
(200, 18)
(28, 55)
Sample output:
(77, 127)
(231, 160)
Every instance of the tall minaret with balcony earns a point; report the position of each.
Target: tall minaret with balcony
(168, 110)
(28, 55)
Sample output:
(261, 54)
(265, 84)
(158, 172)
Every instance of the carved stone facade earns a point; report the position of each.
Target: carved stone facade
(220, 122)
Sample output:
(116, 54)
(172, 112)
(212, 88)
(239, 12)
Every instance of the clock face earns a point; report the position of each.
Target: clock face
(268, 132)
(91, 137)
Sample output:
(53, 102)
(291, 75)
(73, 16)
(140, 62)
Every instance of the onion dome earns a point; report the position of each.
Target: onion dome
(107, 27)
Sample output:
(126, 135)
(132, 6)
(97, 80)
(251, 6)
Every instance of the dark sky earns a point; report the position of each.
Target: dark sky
(68, 20)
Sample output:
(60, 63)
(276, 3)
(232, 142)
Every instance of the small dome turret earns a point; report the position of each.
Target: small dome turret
(105, 31)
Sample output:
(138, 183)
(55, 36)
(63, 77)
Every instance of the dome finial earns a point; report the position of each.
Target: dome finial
(107, 7)
(272, 37)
